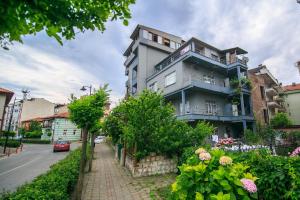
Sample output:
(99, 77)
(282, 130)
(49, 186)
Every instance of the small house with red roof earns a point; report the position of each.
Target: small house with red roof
(59, 126)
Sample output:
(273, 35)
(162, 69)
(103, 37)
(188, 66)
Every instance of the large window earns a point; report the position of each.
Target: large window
(262, 92)
(209, 79)
(153, 87)
(172, 45)
(211, 107)
(170, 79)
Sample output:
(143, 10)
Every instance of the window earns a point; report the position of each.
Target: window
(211, 107)
(167, 42)
(150, 35)
(159, 39)
(154, 38)
(65, 132)
(172, 45)
(177, 45)
(145, 34)
(153, 86)
(74, 132)
(209, 79)
(170, 79)
(134, 72)
(266, 116)
(262, 92)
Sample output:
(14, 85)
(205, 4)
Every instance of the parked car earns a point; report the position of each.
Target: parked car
(61, 145)
(99, 139)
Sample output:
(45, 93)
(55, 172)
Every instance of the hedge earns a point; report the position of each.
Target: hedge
(10, 143)
(58, 183)
(278, 175)
(36, 141)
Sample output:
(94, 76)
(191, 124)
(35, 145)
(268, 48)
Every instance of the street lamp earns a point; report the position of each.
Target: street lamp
(84, 88)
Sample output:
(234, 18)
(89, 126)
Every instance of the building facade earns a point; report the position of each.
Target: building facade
(292, 97)
(194, 76)
(5, 97)
(15, 111)
(267, 94)
(36, 108)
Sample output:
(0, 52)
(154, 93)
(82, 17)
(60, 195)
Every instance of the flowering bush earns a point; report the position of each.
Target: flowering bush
(226, 141)
(295, 152)
(212, 175)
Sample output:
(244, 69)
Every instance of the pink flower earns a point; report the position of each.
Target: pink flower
(295, 152)
(204, 156)
(200, 150)
(249, 185)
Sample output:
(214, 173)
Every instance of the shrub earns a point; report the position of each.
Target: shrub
(10, 143)
(251, 138)
(280, 120)
(36, 141)
(8, 133)
(57, 183)
(275, 173)
(33, 134)
(213, 176)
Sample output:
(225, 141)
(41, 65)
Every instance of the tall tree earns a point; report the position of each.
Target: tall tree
(60, 19)
(85, 113)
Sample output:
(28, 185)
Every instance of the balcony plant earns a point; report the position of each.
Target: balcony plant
(213, 175)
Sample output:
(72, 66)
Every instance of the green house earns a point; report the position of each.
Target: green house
(59, 126)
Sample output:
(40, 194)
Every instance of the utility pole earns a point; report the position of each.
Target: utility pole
(9, 125)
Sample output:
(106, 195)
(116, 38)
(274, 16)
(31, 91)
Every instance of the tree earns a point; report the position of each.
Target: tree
(280, 120)
(60, 19)
(85, 113)
(95, 129)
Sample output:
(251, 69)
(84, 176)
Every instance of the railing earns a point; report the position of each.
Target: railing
(203, 111)
(190, 46)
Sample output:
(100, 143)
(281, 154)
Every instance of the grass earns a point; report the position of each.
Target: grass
(162, 193)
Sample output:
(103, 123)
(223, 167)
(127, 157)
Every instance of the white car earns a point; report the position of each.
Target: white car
(99, 139)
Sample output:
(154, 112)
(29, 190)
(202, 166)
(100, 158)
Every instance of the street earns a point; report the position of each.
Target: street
(25, 166)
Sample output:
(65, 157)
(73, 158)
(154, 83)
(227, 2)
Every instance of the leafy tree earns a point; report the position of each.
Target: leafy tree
(280, 120)
(86, 113)
(60, 19)
(251, 137)
(95, 129)
(35, 126)
(201, 132)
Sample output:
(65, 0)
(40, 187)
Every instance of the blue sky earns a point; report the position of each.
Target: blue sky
(268, 29)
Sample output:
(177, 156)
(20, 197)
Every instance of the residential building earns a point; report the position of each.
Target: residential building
(267, 94)
(292, 96)
(5, 97)
(59, 126)
(15, 111)
(60, 108)
(36, 108)
(194, 76)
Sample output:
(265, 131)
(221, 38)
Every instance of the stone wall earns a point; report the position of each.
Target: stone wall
(151, 165)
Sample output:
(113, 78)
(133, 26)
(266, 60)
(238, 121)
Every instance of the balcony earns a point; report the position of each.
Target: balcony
(192, 51)
(273, 104)
(129, 59)
(126, 71)
(278, 98)
(271, 92)
(208, 87)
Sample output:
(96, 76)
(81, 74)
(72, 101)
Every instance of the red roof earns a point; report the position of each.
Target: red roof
(59, 115)
(2, 90)
(9, 94)
(292, 87)
(38, 119)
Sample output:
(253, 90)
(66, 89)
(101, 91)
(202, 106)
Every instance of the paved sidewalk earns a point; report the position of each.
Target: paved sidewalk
(109, 181)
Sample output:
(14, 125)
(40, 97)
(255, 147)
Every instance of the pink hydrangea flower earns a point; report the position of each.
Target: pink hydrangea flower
(295, 152)
(225, 160)
(200, 150)
(249, 185)
(204, 156)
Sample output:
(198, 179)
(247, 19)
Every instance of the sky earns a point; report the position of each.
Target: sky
(268, 29)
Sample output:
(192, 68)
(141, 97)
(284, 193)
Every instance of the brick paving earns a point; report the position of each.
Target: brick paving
(110, 181)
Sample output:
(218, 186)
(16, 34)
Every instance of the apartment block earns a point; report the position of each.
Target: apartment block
(5, 97)
(194, 76)
(267, 94)
(13, 112)
(292, 97)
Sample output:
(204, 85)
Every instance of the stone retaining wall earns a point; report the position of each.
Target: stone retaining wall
(150, 165)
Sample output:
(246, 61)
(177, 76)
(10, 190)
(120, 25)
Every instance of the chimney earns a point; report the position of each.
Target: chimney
(293, 84)
(297, 64)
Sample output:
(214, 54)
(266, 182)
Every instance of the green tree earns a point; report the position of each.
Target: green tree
(280, 120)
(86, 113)
(93, 131)
(60, 19)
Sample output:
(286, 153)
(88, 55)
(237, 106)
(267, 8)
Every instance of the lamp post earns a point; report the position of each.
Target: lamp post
(84, 88)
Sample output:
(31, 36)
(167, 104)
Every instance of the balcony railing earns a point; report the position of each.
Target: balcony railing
(129, 59)
(192, 47)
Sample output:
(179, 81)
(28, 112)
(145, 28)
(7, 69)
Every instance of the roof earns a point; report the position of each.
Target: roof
(59, 115)
(9, 94)
(38, 119)
(292, 87)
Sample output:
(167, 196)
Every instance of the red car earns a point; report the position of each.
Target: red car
(61, 145)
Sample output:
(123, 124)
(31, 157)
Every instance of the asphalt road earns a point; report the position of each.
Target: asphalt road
(35, 159)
